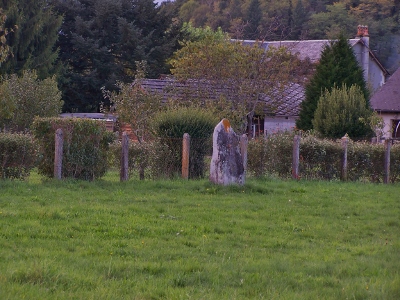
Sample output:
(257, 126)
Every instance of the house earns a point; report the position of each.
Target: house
(375, 73)
(286, 102)
(281, 107)
(386, 102)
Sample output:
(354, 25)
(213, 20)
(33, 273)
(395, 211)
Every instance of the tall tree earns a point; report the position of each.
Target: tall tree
(253, 18)
(232, 78)
(337, 66)
(299, 16)
(4, 48)
(329, 23)
(32, 43)
(101, 40)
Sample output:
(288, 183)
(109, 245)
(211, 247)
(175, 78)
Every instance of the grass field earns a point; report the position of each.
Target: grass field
(180, 239)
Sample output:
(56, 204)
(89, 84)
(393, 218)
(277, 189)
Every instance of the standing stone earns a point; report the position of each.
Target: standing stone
(226, 163)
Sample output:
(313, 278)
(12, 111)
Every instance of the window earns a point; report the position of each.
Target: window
(396, 128)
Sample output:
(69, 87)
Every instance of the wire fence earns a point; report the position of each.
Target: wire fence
(318, 159)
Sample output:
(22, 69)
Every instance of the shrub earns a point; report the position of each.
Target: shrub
(343, 110)
(27, 97)
(271, 156)
(86, 144)
(169, 127)
(365, 161)
(140, 157)
(17, 155)
(320, 158)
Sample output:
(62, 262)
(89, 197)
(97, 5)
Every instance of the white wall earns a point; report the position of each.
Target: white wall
(275, 124)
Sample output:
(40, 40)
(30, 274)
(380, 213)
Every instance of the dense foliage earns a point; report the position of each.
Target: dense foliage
(26, 97)
(219, 69)
(134, 105)
(321, 158)
(35, 30)
(101, 40)
(4, 48)
(299, 20)
(337, 66)
(85, 149)
(170, 126)
(343, 111)
(17, 155)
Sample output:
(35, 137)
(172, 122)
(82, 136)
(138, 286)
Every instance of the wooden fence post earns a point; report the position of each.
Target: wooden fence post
(296, 157)
(58, 153)
(345, 143)
(185, 156)
(244, 142)
(124, 172)
(388, 143)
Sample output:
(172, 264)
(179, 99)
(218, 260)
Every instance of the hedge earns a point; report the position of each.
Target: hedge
(86, 145)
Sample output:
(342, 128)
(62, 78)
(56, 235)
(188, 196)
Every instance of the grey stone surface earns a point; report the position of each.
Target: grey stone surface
(226, 163)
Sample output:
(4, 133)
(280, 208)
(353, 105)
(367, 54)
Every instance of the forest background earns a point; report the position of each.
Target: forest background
(89, 44)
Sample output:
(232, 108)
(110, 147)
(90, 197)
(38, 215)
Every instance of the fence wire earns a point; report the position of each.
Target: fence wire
(320, 159)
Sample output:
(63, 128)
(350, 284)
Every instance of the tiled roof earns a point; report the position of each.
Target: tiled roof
(284, 102)
(387, 98)
(308, 49)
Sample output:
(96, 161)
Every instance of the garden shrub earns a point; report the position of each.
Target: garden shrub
(321, 158)
(395, 163)
(17, 155)
(366, 161)
(271, 156)
(144, 158)
(26, 97)
(86, 144)
(169, 127)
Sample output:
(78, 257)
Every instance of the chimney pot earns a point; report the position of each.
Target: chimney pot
(362, 30)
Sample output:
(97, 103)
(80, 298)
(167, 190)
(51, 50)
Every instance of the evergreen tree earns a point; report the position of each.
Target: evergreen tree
(4, 49)
(32, 42)
(101, 40)
(343, 111)
(299, 18)
(337, 66)
(253, 19)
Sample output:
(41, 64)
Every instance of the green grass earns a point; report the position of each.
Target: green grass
(180, 239)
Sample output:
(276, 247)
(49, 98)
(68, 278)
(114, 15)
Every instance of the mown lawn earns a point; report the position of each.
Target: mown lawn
(180, 239)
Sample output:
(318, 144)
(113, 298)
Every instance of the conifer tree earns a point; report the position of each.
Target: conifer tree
(100, 42)
(32, 42)
(337, 66)
(253, 17)
(299, 18)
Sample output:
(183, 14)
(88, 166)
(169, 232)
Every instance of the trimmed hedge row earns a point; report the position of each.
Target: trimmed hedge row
(17, 155)
(321, 158)
(86, 145)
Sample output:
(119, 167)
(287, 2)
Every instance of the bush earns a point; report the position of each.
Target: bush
(271, 156)
(321, 158)
(27, 97)
(343, 111)
(86, 144)
(169, 127)
(17, 155)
